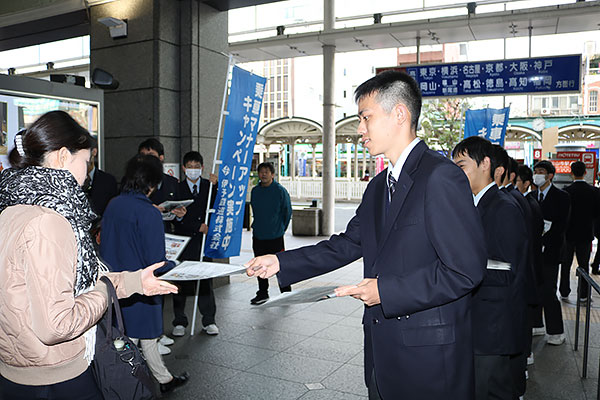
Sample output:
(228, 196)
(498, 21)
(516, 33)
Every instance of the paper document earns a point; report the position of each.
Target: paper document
(309, 295)
(174, 245)
(195, 270)
(170, 205)
(498, 265)
(547, 226)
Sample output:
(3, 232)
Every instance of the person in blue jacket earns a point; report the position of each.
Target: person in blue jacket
(133, 234)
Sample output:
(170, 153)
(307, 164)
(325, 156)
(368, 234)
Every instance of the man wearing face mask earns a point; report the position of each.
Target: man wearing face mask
(555, 205)
(192, 224)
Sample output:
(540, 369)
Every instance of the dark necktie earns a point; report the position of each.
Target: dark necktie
(391, 185)
(195, 190)
(541, 197)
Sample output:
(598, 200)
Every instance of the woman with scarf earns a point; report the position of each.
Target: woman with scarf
(133, 236)
(50, 297)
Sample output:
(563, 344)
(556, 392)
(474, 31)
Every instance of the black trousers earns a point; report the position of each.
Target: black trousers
(373, 390)
(206, 302)
(82, 387)
(262, 248)
(550, 304)
(493, 378)
(582, 251)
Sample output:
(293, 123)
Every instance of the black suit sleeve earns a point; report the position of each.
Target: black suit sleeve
(325, 256)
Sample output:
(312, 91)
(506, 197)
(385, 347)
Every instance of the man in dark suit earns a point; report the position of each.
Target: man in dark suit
(499, 304)
(100, 186)
(555, 205)
(423, 250)
(585, 208)
(192, 224)
(168, 188)
(534, 297)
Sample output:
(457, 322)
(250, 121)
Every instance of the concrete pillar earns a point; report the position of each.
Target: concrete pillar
(314, 161)
(170, 56)
(292, 167)
(261, 156)
(356, 177)
(328, 222)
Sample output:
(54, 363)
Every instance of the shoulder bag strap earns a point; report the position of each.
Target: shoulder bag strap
(114, 301)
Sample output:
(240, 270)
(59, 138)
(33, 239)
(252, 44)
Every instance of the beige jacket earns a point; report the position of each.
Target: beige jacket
(41, 322)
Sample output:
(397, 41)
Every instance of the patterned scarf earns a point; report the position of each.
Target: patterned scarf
(59, 191)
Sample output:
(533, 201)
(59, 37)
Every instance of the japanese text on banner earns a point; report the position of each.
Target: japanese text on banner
(241, 125)
(489, 123)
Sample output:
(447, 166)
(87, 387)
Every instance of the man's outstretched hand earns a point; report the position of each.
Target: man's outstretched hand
(263, 266)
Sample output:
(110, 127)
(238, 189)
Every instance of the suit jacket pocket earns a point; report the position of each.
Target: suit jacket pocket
(429, 335)
(403, 222)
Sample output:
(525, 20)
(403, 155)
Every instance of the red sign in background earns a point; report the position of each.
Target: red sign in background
(564, 159)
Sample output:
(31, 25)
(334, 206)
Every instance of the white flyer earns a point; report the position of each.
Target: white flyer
(547, 226)
(174, 245)
(308, 295)
(195, 270)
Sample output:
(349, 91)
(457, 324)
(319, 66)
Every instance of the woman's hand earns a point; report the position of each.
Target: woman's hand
(152, 285)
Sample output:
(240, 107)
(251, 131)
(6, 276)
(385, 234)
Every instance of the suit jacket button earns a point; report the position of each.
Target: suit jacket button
(407, 316)
(375, 321)
(399, 318)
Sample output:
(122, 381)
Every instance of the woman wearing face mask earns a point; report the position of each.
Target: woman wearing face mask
(132, 235)
(50, 297)
(192, 224)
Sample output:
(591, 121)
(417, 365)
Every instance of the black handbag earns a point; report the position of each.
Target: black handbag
(120, 370)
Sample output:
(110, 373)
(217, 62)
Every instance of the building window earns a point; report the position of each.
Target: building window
(593, 105)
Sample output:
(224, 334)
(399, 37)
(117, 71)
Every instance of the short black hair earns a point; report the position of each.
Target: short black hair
(391, 88)
(268, 165)
(525, 173)
(152, 144)
(578, 169)
(142, 173)
(192, 156)
(500, 159)
(476, 148)
(547, 165)
(513, 168)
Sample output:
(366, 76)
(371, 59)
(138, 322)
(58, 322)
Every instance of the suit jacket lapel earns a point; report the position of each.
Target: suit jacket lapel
(403, 186)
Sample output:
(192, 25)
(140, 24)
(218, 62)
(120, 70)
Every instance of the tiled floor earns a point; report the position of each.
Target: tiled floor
(314, 351)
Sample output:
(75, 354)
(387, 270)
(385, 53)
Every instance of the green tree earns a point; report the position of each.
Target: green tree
(441, 123)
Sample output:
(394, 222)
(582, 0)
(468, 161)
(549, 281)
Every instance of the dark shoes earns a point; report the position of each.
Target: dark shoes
(175, 382)
(261, 298)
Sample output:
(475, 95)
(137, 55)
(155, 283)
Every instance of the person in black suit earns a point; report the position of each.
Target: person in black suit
(168, 188)
(423, 251)
(585, 209)
(505, 178)
(499, 305)
(192, 224)
(555, 205)
(534, 296)
(100, 186)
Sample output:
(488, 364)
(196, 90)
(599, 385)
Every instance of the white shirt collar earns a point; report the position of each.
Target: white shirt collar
(396, 169)
(191, 185)
(477, 198)
(545, 191)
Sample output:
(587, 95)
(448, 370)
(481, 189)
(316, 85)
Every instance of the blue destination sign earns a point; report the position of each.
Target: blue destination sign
(499, 77)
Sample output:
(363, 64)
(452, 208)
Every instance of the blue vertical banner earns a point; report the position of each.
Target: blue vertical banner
(489, 123)
(224, 237)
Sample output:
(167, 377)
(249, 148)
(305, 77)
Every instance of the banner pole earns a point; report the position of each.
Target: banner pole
(216, 162)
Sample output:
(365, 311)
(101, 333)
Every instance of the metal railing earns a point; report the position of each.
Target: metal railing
(313, 189)
(582, 274)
